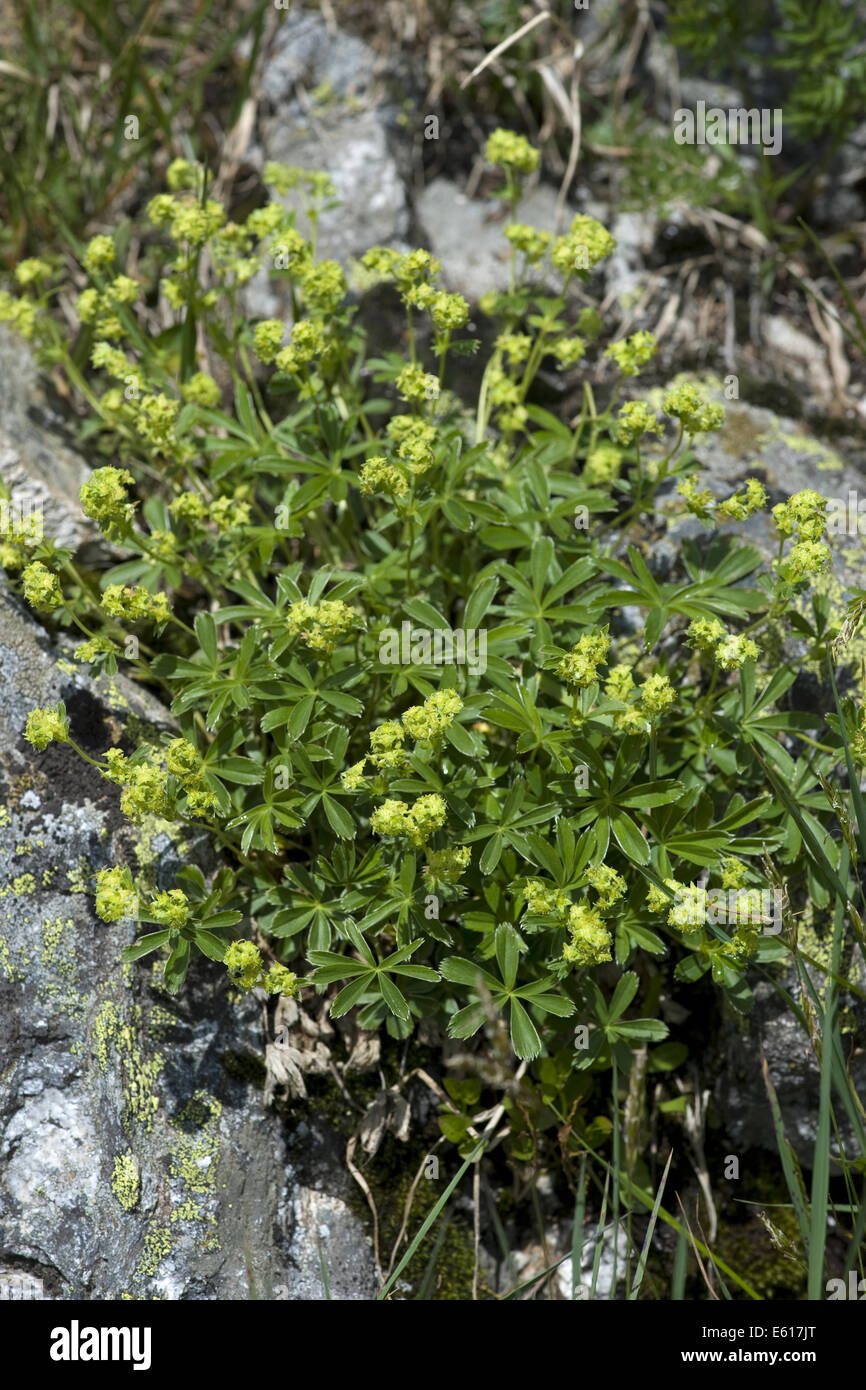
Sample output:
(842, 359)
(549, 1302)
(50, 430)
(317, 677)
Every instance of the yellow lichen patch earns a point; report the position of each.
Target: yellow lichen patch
(139, 1073)
(18, 887)
(157, 1245)
(125, 1181)
(79, 877)
(9, 969)
(826, 459)
(58, 955)
(195, 1154)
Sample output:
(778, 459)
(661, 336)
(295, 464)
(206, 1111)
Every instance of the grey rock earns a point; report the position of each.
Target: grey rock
(100, 1064)
(635, 234)
(44, 475)
(322, 109)
(466, 234)
(740, 1095)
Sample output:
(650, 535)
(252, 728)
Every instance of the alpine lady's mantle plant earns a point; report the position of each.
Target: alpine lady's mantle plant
(411, 839)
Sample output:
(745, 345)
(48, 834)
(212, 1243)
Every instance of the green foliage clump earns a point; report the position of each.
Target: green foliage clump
(445, 774)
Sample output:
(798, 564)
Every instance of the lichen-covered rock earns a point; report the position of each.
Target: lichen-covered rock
(137, 1159)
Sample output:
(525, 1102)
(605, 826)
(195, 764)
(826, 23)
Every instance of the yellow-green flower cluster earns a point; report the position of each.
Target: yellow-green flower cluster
(656, 900)
(46, 726)
(414, 440)
(187, 219)
(578, 669)
(447, 865)
(201, 389)
(115, 895)
(695, 412)
(517, 346)
(353, 779)
(608, 884)
(378, 475)
(145, 790)
(803, 516)
(19, 313)
(705, 633)
(636, 419)
(104, 498)
(804, 559)
(426, 723)
(386, 746)
(94, 648)
(228, 513)
(323, 285)
(590, 939)
(619, 683)
(414, 384)
(416, 823)
(189, 507)
(630, 354)
(322, 626)
(734, 650)
(531, 242)
(699, 501)
(268, 339)
(280, 980)
(285, 177)
(656, 695)
(734, 872)
(135, 604)
(98, 253)
(602, 464)
(585, 244)
(307, 343)
(448, 311)
(171, 908)
(742, 504)
(243, 960)
(568, 351)
(156, 419)
(32, 270)
(41, 588)
(686, 911)
(544, 901)
(184, 762)
(511, 151)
